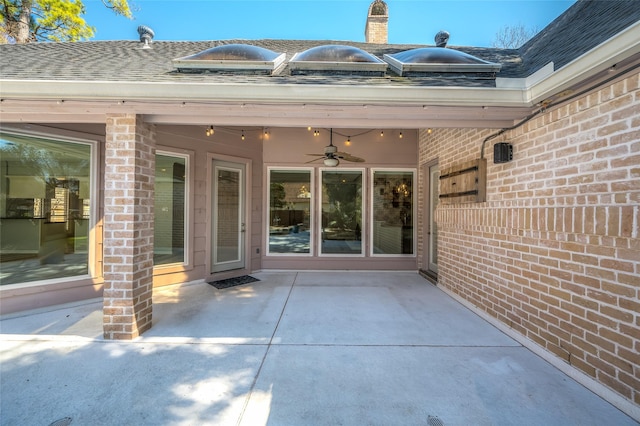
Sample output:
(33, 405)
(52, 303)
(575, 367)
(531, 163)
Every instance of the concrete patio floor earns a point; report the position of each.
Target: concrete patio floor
(307, 348)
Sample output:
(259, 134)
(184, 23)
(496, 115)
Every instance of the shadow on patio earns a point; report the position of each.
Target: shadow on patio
(293, 348)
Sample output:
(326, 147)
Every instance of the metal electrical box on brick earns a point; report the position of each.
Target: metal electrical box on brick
(502, 152)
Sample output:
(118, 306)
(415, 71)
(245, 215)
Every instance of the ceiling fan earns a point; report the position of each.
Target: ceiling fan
(332, 156)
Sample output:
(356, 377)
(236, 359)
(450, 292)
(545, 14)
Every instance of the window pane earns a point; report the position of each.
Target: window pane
(170, 193)
(392, 212)
(341, 212)
(289, 211)
(228, 211)
(44, 208)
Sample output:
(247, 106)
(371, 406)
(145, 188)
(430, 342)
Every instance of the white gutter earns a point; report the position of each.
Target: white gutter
(259, 93)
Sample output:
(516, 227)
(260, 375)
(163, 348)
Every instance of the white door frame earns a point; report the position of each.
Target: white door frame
(434, 185)
(246, 216)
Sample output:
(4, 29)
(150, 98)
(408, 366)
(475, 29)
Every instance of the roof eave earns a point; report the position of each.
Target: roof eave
(548, 82)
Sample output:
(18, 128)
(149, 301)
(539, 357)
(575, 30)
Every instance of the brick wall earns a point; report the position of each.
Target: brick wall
(554, 252)
(376, 30)
(128, 226)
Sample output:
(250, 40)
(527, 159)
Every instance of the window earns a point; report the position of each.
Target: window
(290, 207)
(341, 201)
(393, 212)
(170, 209)
(45, 208)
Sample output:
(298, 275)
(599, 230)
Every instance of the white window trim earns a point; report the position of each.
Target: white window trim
(414, 209)
(312, 222)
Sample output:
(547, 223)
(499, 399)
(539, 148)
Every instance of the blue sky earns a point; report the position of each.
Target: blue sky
(470, 22)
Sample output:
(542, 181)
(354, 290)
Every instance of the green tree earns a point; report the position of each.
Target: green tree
(26, 21)
(278, 195)
(346, 203)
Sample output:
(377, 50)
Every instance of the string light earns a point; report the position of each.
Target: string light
(429, 130)
(210, 131)
(242, 134)
(309, 128)
(381, 133)
(400, 136)
(348, 141)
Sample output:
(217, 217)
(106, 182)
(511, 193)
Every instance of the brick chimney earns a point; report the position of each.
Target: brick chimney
(376, 30)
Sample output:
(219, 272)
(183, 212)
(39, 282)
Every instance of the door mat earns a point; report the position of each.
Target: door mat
(232, 282)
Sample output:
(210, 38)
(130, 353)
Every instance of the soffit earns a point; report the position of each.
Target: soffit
(263, 114)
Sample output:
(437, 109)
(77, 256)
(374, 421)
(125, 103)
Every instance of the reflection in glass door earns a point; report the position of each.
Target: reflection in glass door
(434, 183)
(290, 211)
(228, 227)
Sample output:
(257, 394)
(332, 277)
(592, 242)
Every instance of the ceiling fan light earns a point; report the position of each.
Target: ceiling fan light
(331, 162)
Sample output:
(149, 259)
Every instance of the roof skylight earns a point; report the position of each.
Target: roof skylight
(336, 58)
(438, 59)
(231, 57)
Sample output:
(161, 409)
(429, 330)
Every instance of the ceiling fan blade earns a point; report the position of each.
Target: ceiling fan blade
(315, 159)
(317, 155)
(348, 157)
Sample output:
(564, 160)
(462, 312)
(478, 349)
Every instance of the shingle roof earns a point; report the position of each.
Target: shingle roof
(128, 61)
(585, 25)
(582, 27)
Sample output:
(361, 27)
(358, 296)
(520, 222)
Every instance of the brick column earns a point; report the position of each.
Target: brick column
(128, 226)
